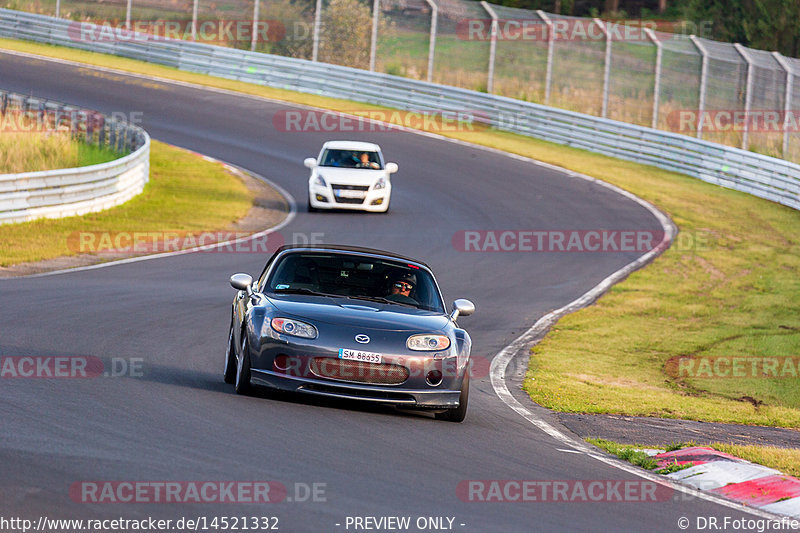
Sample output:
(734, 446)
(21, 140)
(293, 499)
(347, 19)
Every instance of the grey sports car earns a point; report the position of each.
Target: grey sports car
(350, 323)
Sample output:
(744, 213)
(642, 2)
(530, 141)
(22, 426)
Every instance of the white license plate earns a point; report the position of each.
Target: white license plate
(346, 193)
(358, 355)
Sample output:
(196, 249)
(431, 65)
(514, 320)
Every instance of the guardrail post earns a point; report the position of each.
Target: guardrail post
(548, 77)
(748, 93)
(254, 38)
(432, 40)
(606, 66)
(703, 76)
(373, 45)
(194, 19)
(787, 100)
(317, 23)
(492, 47)
(657, 82)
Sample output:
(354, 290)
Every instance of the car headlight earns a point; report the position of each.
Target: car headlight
(319, 180)
(428, 342)
(295, 328)
(380, 184)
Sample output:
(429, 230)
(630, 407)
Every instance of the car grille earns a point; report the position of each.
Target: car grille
(342, 200)
(357, 371)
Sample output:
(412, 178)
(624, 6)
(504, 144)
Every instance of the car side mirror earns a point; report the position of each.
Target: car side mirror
(391, 168)
(242, 282)
(310, 162)
(462, 307)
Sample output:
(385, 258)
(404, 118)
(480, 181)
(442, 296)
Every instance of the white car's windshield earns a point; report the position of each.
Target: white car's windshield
(350, 159)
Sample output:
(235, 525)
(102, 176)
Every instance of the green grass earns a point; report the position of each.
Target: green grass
(730, 286)
(785, 460)
(185, 193)
(632, 454)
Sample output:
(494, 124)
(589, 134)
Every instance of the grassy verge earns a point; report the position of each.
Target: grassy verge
(785, 460)
(730, 287)
(185, 193)
(30, 152)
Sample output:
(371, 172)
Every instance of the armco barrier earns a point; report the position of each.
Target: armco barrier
(73, 191)
(763, 176)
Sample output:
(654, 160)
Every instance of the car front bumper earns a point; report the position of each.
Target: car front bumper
(374, 200)
(426, 399)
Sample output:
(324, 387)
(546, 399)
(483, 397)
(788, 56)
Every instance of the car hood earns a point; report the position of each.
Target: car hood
(350, 176)
(358, 313)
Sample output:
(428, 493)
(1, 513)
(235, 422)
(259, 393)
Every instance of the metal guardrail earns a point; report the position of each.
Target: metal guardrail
(766, 177)
(72, 191)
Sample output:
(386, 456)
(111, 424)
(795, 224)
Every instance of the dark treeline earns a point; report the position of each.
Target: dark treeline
(763, 24)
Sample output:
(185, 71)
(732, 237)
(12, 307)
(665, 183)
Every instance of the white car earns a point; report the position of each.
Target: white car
(350, 175)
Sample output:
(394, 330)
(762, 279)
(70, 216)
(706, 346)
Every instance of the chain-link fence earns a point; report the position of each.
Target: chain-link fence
(622, 70)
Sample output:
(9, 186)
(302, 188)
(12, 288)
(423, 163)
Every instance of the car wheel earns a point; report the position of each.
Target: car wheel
(243, 368)
(230, 360)
(311, 208)
(458, 414)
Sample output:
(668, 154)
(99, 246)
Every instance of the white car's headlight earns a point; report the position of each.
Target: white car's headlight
(296, 328)
(319, 180)
(380, 184)
(428, 342)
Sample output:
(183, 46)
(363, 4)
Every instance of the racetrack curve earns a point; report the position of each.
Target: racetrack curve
(178, 421)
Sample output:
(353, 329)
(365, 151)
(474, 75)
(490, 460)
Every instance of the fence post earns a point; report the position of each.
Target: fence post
(254, 38)
(748, 93)
(194, 19)
(492, 47)
(58, 9)
(703, 75)
(657, 83)
(373, 45)
(548, 77)
(128, 15)
(787, 101)
(317, 23)
(432, 40)
(606, 66)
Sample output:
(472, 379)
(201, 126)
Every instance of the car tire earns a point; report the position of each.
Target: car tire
(311, 208)
(458, 414)
(230, 360)
(242, 384)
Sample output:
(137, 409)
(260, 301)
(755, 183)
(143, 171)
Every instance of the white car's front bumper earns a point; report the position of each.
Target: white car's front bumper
(333, 197)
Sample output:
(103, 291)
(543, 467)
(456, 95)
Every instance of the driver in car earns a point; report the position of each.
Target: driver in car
(400, 290)
(364, 162)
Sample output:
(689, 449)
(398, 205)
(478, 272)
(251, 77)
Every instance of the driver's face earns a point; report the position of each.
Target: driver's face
(364, 158)
(401, 287)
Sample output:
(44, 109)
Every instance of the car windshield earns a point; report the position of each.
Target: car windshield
(355, 277)
(350, 159)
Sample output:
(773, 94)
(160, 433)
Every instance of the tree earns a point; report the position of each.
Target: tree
(346, 32)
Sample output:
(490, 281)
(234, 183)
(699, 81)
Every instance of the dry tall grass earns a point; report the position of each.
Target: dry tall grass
(32, 151)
